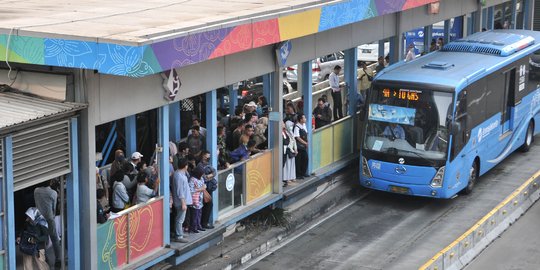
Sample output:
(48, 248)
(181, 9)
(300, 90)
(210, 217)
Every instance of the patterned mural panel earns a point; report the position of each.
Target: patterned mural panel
(140, 61)
(145, 234)
(343, 139)
(259, 177)
(322, 152)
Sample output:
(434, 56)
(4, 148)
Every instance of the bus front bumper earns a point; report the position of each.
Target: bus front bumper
(400, 188)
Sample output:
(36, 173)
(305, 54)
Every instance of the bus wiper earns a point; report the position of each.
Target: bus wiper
(395, 152)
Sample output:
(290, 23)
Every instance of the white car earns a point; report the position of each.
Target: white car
(291, 73)
(327, 64)
(370, 52)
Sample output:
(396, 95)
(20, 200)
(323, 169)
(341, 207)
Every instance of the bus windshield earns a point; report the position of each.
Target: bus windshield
(408, 122)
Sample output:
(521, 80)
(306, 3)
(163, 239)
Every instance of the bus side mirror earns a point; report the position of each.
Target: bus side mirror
(455, 128)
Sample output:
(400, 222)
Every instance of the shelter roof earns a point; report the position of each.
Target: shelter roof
(19, 109)
(138, 38)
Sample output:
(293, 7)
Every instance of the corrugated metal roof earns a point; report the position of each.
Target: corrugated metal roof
(18, 109)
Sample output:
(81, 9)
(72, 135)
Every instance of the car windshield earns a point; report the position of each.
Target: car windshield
(408, 122)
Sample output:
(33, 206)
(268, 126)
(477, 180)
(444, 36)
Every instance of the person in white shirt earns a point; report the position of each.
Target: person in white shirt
(301, 136)
(336, 92)
(202, 130)
(410, 54)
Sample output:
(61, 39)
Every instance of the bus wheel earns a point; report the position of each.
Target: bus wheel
(473, 176)
(529, 138)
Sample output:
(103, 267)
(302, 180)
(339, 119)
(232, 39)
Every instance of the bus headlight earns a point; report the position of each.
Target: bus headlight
(365, 168)
(437, 180)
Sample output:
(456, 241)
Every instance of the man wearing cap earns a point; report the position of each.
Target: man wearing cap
(135, 159)
(250, 107)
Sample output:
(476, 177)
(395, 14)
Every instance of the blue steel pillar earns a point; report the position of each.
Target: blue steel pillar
(131, 134)
(427, 38)
(174, 122)
(267, 85)
(350, 74)
(72, 187)
(163, 159)
(484, 18)
(307, 92)
(271, 105)
(514, 17)
(446, 35)
(394, 49)
(211, 142)
(9, 202)
(381, 48)
(233, 98)
(490, 16)
(528, 14)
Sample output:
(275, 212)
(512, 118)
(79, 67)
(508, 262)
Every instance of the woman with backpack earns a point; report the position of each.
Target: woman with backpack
(33, 240)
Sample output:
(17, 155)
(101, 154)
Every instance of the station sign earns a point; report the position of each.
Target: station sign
(171, 84)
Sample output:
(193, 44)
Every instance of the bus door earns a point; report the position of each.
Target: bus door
(508, 100)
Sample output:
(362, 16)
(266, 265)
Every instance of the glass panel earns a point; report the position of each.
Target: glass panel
(145, 230)
(342, 139)
(130, 236)
(408, 122)
(231, 188)
(106, 246)
(259, 176)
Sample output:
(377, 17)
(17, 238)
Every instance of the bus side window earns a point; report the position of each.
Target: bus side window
(460, 117)
(494, 94)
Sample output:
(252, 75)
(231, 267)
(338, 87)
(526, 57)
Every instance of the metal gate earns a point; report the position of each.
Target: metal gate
(41, 153)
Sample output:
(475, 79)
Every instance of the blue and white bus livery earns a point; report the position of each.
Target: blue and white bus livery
(435, 124)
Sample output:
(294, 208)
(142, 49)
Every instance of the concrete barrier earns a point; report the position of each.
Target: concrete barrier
(463, 250)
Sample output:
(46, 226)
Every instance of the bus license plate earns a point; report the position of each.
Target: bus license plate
(400, 190)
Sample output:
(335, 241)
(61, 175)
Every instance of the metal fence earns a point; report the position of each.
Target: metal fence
(333, 143)
(130, 234)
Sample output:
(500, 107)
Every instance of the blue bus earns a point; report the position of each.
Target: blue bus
(437, 123)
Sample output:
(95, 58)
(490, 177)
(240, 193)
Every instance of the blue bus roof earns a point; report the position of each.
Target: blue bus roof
(464, 61)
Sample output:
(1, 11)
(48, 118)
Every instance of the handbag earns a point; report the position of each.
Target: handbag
(28, 244)
(206, 196)
(290, 153)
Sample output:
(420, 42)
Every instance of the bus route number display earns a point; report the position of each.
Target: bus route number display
(403, 94)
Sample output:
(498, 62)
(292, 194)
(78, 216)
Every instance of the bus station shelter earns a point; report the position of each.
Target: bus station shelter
(71, 69)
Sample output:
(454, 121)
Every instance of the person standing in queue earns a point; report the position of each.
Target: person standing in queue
(333, 79)
(321, 114)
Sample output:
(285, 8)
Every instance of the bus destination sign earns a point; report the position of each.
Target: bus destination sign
(403, 94)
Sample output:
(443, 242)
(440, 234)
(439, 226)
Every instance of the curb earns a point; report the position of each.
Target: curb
(295, 226)
(466, 247)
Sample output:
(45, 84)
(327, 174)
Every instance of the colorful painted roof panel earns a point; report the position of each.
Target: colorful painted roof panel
(138, 38)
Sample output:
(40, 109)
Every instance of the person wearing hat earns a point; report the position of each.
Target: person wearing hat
(144, 193)
(250, 107)
(136, 159)
(117, 162)
(35, 232)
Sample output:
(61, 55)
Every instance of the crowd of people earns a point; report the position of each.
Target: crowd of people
(131, 181)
